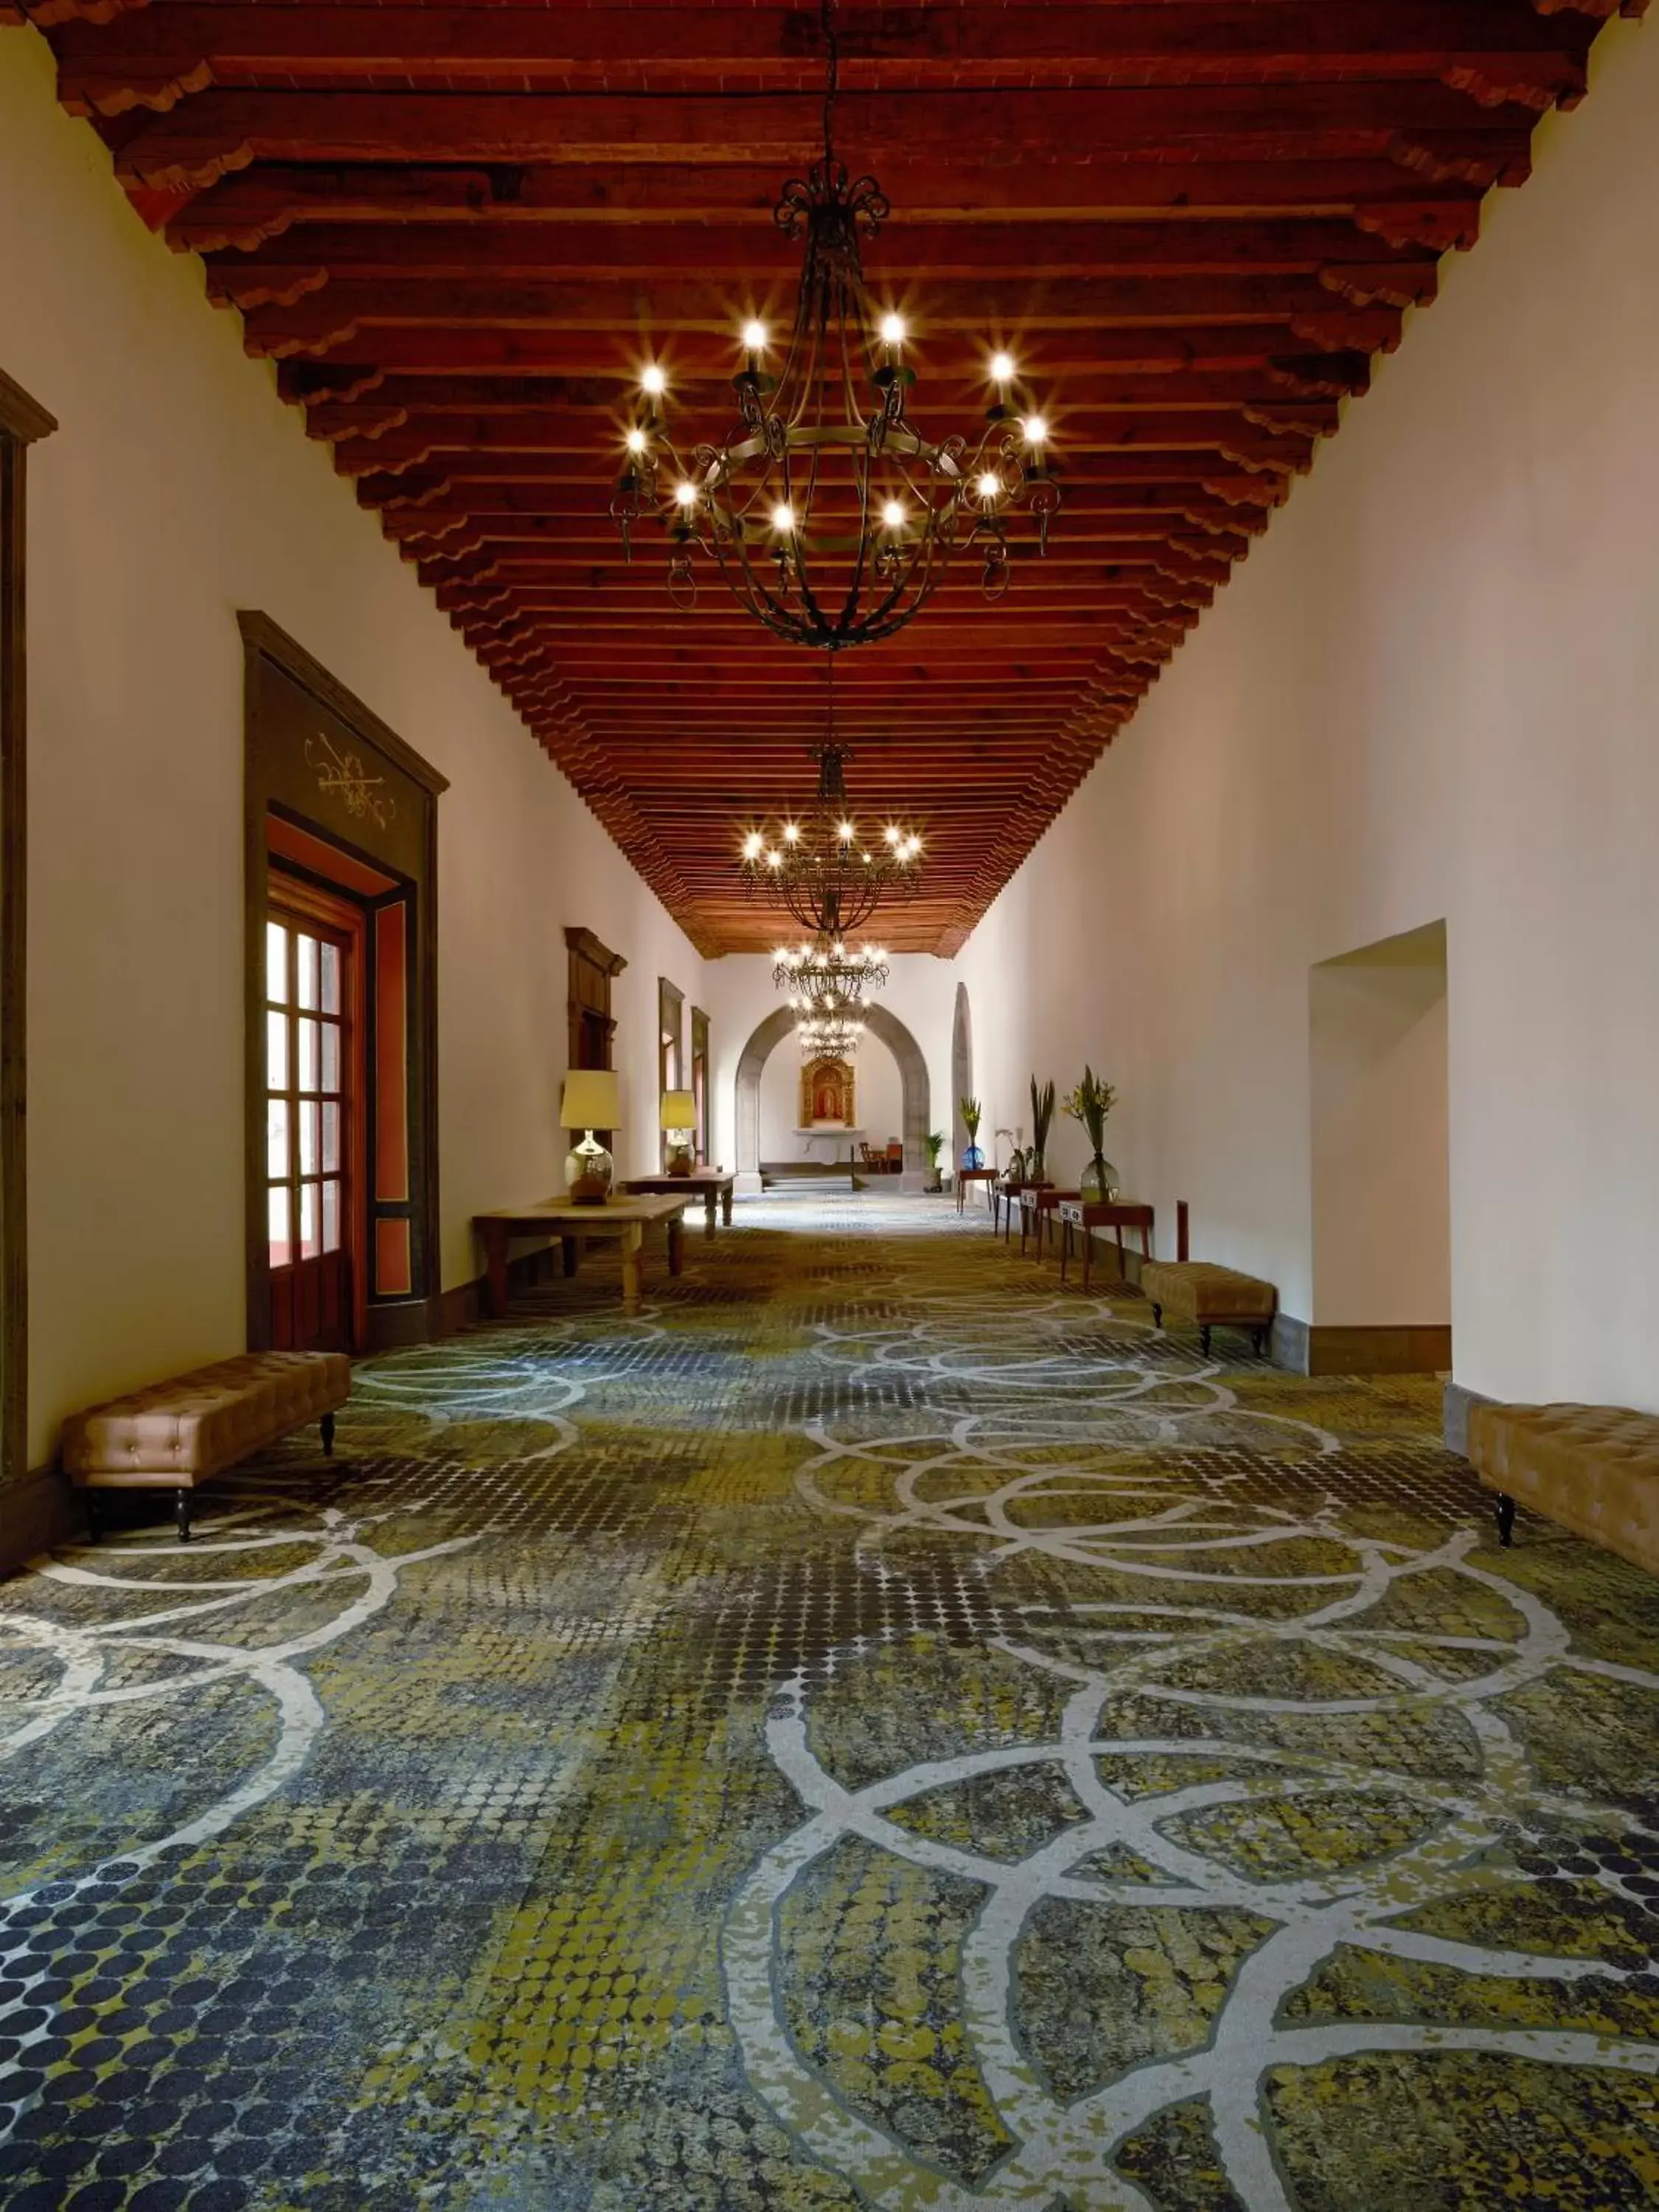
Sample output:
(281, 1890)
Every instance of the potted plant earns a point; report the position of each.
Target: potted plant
(1043, 1114)
(934, 1141)
(1090, 1103)
(971, 1110)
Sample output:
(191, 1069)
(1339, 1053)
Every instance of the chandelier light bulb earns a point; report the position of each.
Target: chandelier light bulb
(753, 845)
(990, 486)
(890, 833)
(1002, 368)
(892, 329)
(893, 515)
(791, 834)
(773, 859)
(844, 831)
(686, 494)
(783, 518)
(754, 336)
(1035, 430)
(653, 380)
(636, 440)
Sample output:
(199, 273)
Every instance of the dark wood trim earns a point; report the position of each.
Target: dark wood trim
(42, 1511)
(22, 420)
(587, 946)
(261, 634)
(264, 642)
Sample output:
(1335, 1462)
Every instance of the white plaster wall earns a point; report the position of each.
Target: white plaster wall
(880, 1093)
(1433, 691)
(921, 992)
(177, 490)
(1379, 1090)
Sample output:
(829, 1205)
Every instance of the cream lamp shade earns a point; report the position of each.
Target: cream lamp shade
(679, 1110)
(591, 1100)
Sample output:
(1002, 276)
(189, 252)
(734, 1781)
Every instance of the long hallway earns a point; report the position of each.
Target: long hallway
(875, 1731)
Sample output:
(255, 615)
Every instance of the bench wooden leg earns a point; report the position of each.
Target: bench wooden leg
(1204, 1337)
(1158, 1316)
(181, 1514)
(1259, 1341)
(94, 1505)
(326, 1425)
(1504, 1514)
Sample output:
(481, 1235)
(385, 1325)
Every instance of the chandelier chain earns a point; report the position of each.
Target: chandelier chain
(831, 81)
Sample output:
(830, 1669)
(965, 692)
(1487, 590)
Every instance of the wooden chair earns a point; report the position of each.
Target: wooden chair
(895, 1157)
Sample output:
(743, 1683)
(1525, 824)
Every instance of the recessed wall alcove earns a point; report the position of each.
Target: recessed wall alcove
(779, 1027)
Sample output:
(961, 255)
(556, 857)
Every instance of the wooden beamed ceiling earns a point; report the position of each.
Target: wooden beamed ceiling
(459, 230)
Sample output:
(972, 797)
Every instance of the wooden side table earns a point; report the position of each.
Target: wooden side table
(713, 1185)
(1086, 1215)
(1038, 1209)
(1005, 1194)
(965, 1176)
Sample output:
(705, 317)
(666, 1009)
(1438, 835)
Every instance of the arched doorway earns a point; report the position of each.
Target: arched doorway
(962, 1071)
(913, 1078)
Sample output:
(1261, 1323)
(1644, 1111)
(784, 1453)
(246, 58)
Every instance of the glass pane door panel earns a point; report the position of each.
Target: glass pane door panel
(277, 1052)
(305, 949)
(307, 1077)
(310, 1138)
(310, 1232)
(332, 1215)
(282, 1235)
(332, 980)
(331, 1074)
(276, 963)
(276, 1137)
(331, 1137)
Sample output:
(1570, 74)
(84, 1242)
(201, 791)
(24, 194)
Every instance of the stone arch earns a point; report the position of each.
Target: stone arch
(913, 1082)
(962, 1069)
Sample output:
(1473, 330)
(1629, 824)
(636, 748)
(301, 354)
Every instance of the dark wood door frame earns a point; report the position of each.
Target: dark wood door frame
(23, 421)
(316, 753)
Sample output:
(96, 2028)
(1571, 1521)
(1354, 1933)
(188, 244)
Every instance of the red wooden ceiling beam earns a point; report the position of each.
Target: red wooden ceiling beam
(217, 132)
(156, 57)
(749, 255)
(1380, 194)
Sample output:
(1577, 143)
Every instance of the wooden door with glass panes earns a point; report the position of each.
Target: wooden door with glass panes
(310, 1017)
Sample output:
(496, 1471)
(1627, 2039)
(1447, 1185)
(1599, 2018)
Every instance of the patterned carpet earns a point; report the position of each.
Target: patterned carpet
(873, 1731)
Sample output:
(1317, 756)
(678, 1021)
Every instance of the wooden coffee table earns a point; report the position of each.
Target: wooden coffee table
(1086, 1215)
(619, 1220)
(713, 1185)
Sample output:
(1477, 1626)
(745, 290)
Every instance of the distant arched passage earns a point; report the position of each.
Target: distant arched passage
(962, 1067)
(912, 1080)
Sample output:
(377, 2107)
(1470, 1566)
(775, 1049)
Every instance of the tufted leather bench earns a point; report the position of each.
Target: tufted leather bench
(1594, 1468)
(177, 1435)
(1212, 1297)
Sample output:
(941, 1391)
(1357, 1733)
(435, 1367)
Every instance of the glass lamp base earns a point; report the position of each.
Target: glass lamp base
(588, 1172)
(679, 1160)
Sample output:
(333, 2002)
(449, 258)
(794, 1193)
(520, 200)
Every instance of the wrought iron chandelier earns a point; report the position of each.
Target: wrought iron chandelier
(831, 517)
(829, 1036)
(819, 868)
(828, 978)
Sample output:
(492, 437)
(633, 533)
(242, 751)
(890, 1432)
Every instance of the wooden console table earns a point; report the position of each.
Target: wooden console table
(1006, 1193)
(1088, 1214)
(965, 1176)
(620, 1220)
(1038, 1209)
(713, 1185)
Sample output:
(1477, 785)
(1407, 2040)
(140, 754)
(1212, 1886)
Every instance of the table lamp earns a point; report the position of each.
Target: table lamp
(591, 1102)
(680, 1120)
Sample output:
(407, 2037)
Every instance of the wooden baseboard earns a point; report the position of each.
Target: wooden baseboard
(1324, 1348)
(36, 1514)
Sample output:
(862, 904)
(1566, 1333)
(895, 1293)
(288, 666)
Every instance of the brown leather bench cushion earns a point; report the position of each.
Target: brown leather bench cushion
(1594, 1468)
(186, 1431)
(1205, 1292)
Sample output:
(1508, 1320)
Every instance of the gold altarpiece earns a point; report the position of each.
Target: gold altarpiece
(828, 1093)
